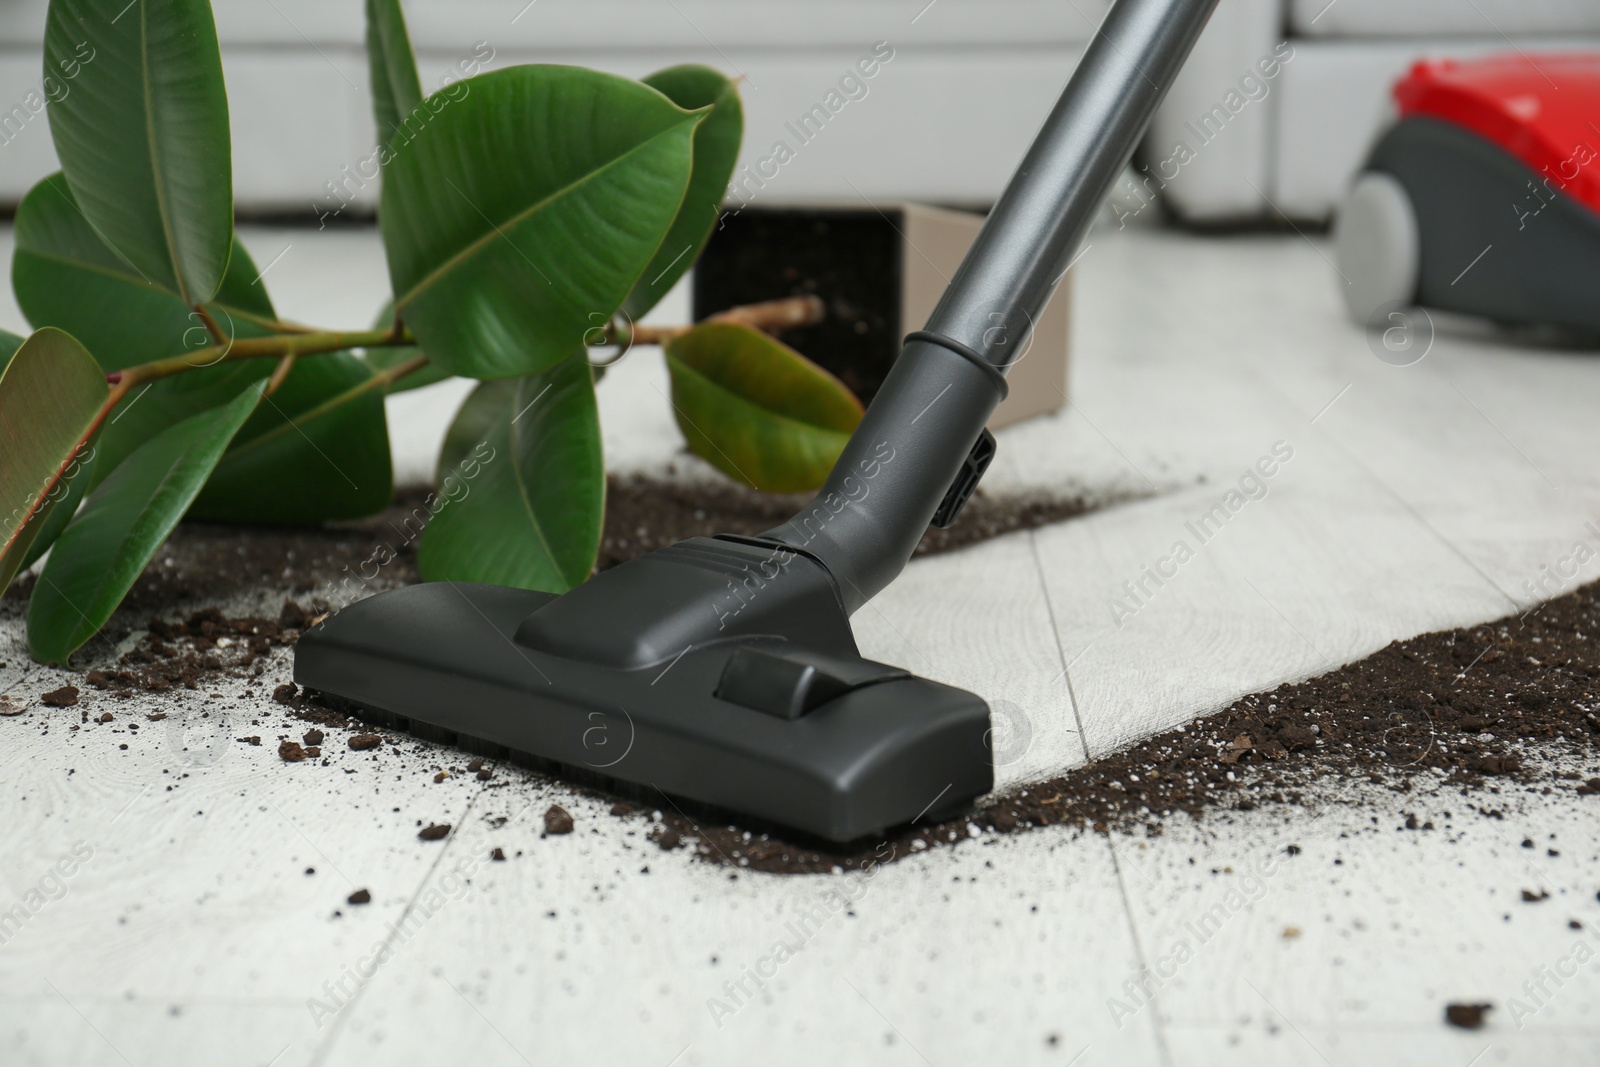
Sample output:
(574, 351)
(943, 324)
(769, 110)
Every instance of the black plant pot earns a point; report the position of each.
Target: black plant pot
(880, 273)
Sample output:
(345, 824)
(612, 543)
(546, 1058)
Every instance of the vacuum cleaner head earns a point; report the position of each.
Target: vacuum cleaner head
(722, 670)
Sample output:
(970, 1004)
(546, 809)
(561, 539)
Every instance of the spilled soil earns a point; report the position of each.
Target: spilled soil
(1508, 706)
(206, 562)
(1487, 710)
(1490, 710)
(644, 514)
(186, 653)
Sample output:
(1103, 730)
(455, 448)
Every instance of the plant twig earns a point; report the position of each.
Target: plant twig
(123, 382)
(279, 373)
(299, 344)
(119, 389)
(286, 349)
(400, 370)
(773, 316)
(210, 323)
(374, 383)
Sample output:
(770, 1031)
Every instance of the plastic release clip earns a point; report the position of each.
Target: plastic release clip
(972, 468)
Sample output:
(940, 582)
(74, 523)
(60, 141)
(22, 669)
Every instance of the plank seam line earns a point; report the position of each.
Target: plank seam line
(326, 1047)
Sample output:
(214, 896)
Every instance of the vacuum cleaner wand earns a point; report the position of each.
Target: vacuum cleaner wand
(930, 413)
(724, 670)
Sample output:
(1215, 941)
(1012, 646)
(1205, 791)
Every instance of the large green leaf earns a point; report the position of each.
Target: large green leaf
(65, 276)
(521, 485)
(143, 135)
(383, 359)
(396, 89)
(315, 450)
(756, 409)
(120, 526)
(716, 150)
(51, 393)
(522, 213)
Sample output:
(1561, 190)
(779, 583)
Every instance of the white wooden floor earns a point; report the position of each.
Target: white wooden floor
(1415, 498)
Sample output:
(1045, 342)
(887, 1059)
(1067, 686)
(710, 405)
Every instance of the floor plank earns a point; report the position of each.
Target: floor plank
(979, 619)
(646, 957)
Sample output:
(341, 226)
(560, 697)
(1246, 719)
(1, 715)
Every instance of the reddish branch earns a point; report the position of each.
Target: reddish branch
(772, 316)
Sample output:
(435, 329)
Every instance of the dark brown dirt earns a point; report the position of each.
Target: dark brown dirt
(1482, 710)
(360, 896)
(434, 832)
(1477, 709)
(1467, 1016)
(557, 820)
(65, 697)
(205, 562)
(195, 650)
(330, 566)
(645, 514)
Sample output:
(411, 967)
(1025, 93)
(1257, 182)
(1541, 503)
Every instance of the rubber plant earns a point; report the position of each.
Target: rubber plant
(529, 215)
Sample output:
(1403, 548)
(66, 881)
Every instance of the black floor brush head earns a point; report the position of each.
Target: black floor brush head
(722, 671)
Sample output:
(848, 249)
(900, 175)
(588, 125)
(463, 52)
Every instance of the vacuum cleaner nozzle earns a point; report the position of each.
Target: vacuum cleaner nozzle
(722, 670)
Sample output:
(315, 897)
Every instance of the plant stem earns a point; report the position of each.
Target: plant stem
(114, 397)
(769, 315)
(210, 324)
(296, 345)
(773, 316)
(279, 373)
(123, 382)
(291, 341)
(375, 383)
(400, 370)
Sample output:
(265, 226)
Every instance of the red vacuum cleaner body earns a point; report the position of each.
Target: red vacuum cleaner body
(1484, 197)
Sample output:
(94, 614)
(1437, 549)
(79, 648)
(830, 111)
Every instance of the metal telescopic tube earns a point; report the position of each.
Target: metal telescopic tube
(878, 500)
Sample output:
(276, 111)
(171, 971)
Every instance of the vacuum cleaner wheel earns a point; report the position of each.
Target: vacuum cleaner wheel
(1376, 246)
